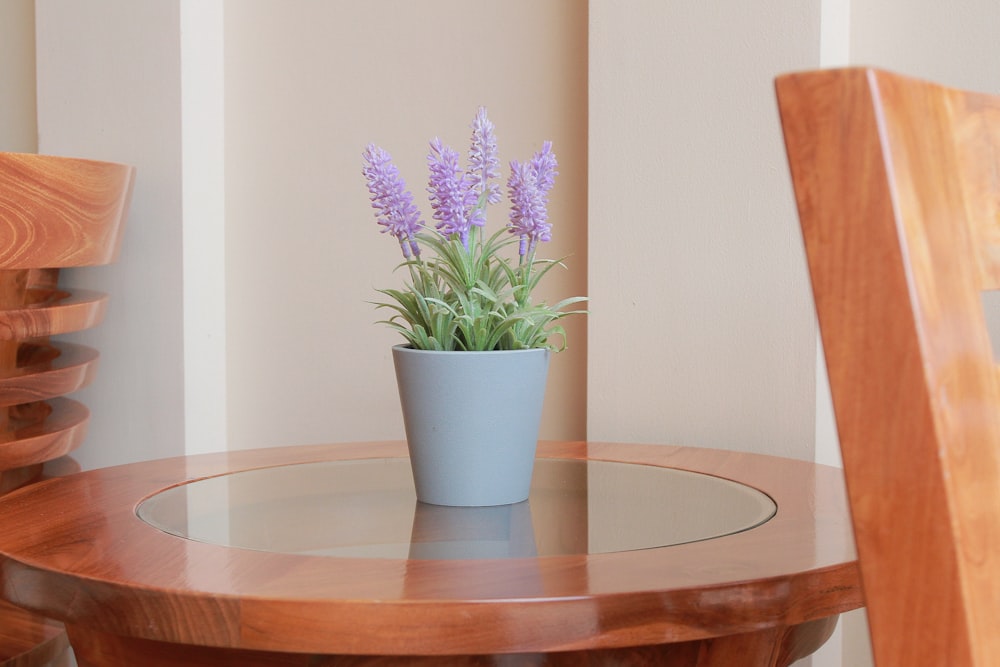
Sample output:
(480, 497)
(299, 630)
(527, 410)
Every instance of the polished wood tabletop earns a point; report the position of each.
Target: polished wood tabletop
(765, 592)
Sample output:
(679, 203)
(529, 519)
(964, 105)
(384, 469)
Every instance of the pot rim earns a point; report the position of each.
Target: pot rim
(409, 349)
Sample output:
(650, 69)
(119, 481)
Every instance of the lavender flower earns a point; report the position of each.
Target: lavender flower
(529, 186)
(397, 213)
(452, 194)
(471, 296)
(484, 166)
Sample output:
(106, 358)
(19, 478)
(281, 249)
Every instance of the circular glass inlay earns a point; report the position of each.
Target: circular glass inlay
(367, 508)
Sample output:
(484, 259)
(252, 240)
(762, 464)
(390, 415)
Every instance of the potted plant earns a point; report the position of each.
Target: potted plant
(472, 371)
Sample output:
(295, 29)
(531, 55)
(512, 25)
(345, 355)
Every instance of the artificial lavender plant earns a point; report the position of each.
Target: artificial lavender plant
(466, 294)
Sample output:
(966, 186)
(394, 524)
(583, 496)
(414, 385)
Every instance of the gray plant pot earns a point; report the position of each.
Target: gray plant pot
(471, 422)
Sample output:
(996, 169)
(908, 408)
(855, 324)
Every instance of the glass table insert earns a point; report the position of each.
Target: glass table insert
(366, 508)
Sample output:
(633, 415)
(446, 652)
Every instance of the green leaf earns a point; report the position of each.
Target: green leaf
(474, 298)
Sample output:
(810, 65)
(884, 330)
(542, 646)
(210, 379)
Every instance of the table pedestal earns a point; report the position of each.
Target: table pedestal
(775, 647)
(27, 640)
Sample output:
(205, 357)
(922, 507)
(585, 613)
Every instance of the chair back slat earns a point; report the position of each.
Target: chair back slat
(898, 191)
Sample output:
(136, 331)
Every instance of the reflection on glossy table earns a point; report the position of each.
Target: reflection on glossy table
(602, 565)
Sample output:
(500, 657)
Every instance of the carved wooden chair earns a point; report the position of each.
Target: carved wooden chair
(898, 189)
(54, 213)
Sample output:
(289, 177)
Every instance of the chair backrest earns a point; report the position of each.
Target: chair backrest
(54, 212)
(897, 183)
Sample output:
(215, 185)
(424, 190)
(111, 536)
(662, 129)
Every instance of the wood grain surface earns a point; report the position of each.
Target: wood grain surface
(55, 212)
(61, 212)
(74, 548)
(898, 193)
(49, 312)
(46, 370)
(28, 641)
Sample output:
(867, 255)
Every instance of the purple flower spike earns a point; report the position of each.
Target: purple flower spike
(544, 165)
(484, 165)
(451, 193)
(397, 214)
(529, 185)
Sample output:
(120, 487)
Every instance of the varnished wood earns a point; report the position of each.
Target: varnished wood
(117, 581)
(49, 312)
(899, 198)
(13, 285)
(60, 212)
(47, 370)
(27, 641)
(43, 431)
(767, 648)
(14, 478)
(54, 212)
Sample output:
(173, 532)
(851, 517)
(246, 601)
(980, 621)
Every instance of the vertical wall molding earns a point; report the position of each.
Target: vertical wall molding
(204, 223)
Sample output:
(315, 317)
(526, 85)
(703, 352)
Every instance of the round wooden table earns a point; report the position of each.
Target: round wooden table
(320, 555)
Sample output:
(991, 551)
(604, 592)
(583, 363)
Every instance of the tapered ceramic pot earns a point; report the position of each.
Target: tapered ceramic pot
(471, 422)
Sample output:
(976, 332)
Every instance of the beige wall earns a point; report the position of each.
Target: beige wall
(702, 329)
(954, 43)
(18, 129)
(109, 89)
(308, 85)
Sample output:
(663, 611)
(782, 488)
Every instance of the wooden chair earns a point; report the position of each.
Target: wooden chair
(54, 213)
(898, 189)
